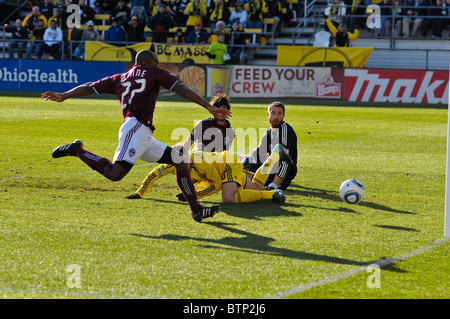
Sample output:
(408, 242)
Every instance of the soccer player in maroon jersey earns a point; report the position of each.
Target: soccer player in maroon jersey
(137, 91)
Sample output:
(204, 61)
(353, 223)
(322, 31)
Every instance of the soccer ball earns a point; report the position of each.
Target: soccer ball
(226, 57)
(351, 191)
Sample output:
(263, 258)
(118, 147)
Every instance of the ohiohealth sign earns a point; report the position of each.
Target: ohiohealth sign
(31, 75)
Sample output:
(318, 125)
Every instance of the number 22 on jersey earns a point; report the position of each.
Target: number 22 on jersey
(131, 89)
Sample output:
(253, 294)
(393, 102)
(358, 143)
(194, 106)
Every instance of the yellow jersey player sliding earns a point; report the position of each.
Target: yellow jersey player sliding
(223, 171)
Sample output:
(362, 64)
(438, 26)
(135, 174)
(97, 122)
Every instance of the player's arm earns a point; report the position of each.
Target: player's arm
(189, 94)
(79, 91)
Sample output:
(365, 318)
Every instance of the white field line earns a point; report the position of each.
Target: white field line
(355, 271)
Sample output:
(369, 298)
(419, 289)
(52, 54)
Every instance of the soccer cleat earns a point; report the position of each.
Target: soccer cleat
(278, 197)
(64, 150)
(133, 196)
(279, 148)
(205, 212)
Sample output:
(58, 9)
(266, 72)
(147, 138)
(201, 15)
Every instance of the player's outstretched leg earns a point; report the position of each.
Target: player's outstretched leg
(95, 162)
(278, 154)
(279, 148)
(64, 150)
(157, 173)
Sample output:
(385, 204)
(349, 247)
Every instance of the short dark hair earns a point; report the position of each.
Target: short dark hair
(220, 99)
(144, 55)
(277, 104)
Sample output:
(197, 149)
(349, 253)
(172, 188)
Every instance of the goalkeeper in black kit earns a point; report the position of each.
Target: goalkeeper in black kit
(281, 172)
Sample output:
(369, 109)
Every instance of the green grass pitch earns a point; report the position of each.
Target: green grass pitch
(67, 232)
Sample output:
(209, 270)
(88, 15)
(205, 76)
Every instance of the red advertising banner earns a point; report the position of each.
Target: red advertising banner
(402, 86)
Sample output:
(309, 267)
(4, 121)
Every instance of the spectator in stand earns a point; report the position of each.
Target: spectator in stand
(52, 40)
(255, 10)
(275, 13)
(341, 34)
(46, 8)
(65, 15)
(446, 9)
(336, 13)
(86, 12)
(57, 17)
(160, 24)
(238, 39)
(196, 10)
(140, 13)
(90, 34)
(178, 7)
(69, 35)
(31, 20)
(121, 13)
(19, 39)
(385, 12)
(238, 15)
(397, 16)
(37, 34)
(198, 35)
(60, 5)
(355, 15)
(219, 28)
(217, 50)
(437, 12)
(104, 6)
(135, 29)
(179, 36)
(413, 16)
(115, 32)
(218, 11)
(154, 8)
(139, 3)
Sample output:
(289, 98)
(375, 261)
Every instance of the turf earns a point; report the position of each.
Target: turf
(56, 212)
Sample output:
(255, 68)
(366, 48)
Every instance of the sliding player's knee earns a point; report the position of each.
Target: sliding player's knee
(228, 198)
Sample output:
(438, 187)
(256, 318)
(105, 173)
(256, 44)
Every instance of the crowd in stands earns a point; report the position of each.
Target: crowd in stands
(401, 18)
(196, 22)
(204, 22)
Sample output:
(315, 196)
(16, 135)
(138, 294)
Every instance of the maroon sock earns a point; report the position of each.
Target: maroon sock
(95, 162)
(184, 182)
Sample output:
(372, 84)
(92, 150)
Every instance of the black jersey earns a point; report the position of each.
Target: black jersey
(284, 135)
(214, 137)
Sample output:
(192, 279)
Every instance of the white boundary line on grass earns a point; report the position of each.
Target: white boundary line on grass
(355, 271)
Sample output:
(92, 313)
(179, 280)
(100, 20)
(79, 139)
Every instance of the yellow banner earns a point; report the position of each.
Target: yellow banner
(99, 51)
(319, 56)
(189, 54)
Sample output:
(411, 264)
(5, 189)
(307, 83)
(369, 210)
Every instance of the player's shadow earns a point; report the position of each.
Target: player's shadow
(257, 210)
(333, 196)
(256, 244)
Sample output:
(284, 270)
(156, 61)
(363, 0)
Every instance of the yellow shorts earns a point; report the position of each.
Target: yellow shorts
(233, 173)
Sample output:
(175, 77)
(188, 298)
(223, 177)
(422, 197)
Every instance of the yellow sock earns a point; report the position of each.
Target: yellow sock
(262, 174)
(250, 195)
(158, 172)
